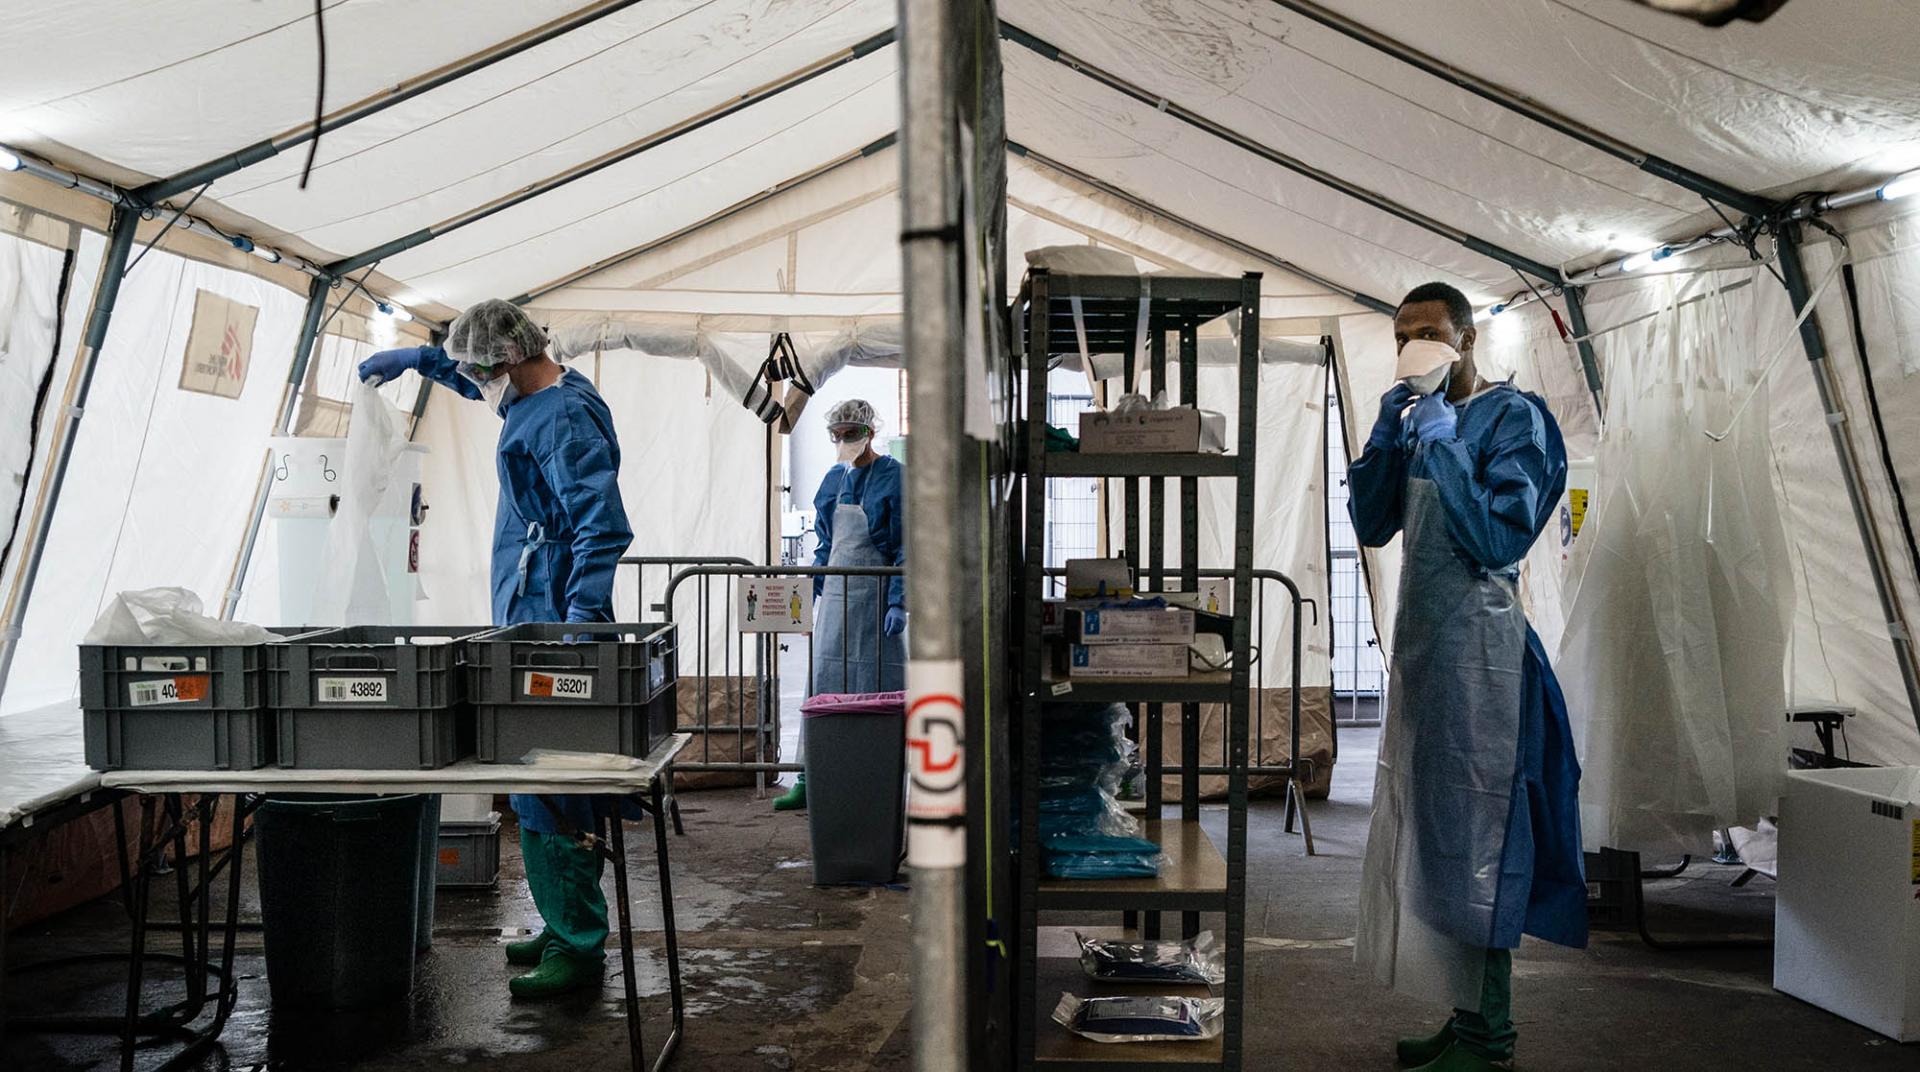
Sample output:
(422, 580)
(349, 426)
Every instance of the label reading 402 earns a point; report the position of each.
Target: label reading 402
(352, 689)
(559, 686)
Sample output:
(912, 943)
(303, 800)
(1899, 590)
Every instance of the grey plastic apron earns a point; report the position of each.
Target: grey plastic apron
(851, 653)
(1449, 755)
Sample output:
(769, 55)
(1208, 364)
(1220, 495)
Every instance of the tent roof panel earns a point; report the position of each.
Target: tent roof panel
(1223, 187)
(159, 90)
(659, 191)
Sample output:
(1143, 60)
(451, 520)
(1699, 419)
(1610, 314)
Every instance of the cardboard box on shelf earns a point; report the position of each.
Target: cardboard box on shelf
(1181, 430)
(1147, 661)
(1124, 625)
(1091, 577)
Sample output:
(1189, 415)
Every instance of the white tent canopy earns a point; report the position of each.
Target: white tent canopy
(736, 180)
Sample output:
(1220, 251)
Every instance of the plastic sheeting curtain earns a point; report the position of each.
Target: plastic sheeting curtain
(1679, 618)
(30, 278)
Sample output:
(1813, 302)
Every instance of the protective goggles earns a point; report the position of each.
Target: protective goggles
(849, 433)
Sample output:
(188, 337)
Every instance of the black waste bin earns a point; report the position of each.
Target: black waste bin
(856, 785)
(429, 870)
(339, 898)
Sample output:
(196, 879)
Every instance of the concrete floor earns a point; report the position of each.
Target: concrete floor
(781, 975)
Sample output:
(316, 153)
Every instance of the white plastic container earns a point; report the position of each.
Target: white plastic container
(1847, 932)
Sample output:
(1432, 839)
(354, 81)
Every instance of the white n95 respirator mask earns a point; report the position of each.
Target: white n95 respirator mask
(1425, 365)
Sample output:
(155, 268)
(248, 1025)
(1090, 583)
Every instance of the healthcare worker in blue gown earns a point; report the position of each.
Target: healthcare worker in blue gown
(859, 623)
(559, 532)
(1475, 838)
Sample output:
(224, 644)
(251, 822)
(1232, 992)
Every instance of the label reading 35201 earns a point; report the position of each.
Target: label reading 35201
(559, 686)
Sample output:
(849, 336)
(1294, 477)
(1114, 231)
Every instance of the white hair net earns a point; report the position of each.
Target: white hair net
(853, 411)
(494, 332)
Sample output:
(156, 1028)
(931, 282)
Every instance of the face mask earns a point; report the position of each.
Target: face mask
(850, 449)
(1430, 383)
(500, 393)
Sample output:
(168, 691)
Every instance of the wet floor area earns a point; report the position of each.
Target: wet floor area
(783, 975)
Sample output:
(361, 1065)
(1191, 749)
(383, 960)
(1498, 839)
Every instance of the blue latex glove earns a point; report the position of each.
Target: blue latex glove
(389, 364)
(1433, 418)
(896, 622)
(1386, 427)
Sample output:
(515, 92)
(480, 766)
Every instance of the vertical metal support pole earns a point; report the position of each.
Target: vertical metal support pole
(1794, 274)
(1157, 571)
(1032, 549)
(934, 305)
(1240, 696)
(282, 421)
(1190, 582)
(106, 291)
(1577, 320)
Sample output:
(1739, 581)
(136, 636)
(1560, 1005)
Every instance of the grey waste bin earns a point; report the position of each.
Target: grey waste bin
(856, 785)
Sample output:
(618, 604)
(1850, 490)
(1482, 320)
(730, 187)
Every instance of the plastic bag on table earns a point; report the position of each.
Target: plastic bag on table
(1199, 962)
(1099, 856)
(167, 616)
(1140, 1019)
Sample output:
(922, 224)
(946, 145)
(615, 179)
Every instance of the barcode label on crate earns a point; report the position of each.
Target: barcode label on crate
(353, 689)
(172, 690)
(560, 686)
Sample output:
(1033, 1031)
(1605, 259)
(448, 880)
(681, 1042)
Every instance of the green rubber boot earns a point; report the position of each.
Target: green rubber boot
(794, 799)
(1423, 1050)
(527, 952)
(559, 973)
(1457, 1058)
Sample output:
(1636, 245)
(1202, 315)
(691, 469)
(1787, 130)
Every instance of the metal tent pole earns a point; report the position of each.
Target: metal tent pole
(106, 291)
(220, 167)
(929, 242)
(1794, 274)
(1590, 364)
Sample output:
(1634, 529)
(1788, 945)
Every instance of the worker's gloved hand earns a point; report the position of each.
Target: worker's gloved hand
(1433, 417)
(387, 365)
(1386, 427)
(896, 622)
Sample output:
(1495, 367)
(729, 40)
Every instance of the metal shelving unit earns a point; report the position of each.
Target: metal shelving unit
(1056, 313)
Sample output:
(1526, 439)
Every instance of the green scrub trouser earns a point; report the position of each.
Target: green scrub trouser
(1488, 1031)
(565, 879)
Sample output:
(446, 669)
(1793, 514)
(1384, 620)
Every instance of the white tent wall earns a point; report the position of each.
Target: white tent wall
(1365, 353)
(161, 482)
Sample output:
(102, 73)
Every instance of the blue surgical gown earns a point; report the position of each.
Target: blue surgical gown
(560, 526)
(1499, 481)
(877, 488)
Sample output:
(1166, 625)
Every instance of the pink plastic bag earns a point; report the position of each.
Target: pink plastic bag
(855, 703)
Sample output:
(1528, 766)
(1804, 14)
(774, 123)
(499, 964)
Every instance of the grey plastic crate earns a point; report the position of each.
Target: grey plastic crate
(469, 856)
(362, 697)
(563, 687)
(175, 706)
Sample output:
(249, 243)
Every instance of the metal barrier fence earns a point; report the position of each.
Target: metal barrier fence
(737, 675)
(734, 677)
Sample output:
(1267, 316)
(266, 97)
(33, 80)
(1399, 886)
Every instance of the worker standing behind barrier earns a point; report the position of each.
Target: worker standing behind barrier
(859, 623)
(559, 532)
(1475, 836)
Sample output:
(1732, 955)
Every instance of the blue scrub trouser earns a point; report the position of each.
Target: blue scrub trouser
(1488, 1031)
